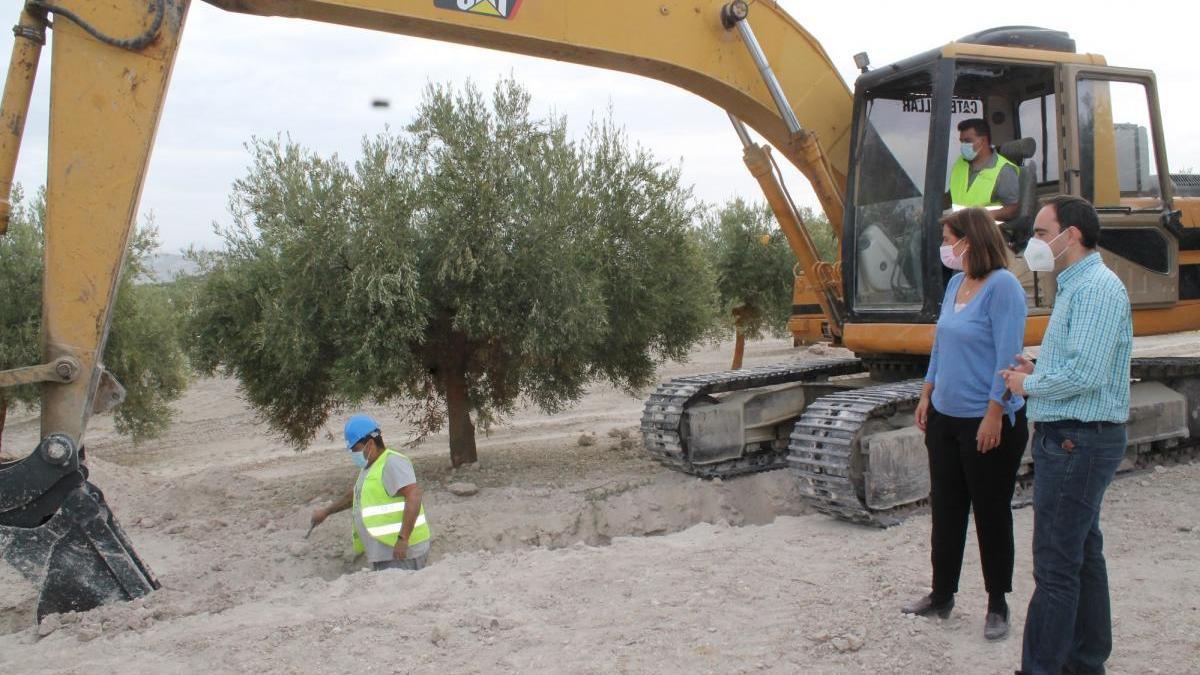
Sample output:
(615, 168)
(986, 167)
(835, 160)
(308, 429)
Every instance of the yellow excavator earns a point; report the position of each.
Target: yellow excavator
(876, 157)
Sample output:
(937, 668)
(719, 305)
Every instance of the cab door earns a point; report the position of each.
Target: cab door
(1114, 156)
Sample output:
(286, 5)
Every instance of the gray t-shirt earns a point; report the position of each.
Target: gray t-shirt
(1007, 190)
(397, 474)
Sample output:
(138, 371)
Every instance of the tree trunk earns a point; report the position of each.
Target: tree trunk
(739, 346)
(458, 411)
(3, 419)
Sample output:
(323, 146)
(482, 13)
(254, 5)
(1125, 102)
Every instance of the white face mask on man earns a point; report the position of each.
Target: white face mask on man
(1039, 256)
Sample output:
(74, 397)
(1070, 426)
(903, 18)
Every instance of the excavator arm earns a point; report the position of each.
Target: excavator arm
(110, 67)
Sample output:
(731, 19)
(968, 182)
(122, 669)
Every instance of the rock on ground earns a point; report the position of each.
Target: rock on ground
(462, 489)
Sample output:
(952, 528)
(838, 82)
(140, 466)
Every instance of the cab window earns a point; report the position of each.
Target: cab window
(1038, 120)
(1116, 146)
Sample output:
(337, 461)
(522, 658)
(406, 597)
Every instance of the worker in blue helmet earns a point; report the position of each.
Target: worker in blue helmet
(389, 518)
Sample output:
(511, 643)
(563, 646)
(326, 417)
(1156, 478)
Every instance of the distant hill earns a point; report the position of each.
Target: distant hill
(168, 267)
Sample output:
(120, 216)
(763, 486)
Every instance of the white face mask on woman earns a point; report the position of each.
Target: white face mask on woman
(950, 259)
(1039, 256)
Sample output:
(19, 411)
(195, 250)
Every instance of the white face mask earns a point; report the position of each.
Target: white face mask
(359, 460)
(1039, 256)
(950, 259)
(969, 152)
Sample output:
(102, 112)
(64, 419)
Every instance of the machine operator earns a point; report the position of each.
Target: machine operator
(981, 176)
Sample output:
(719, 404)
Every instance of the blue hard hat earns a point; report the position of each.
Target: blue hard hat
(359, 427)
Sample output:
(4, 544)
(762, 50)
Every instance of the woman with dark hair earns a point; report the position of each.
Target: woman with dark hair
(975, 431)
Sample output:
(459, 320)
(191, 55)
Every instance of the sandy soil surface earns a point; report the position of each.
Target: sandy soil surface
(578, 554)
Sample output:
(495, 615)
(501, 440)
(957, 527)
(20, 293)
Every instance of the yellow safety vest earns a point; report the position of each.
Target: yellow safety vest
(979, 192)
(383, 514)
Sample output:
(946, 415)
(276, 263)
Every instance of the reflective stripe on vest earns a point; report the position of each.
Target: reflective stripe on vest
(394, 528)
(382, 509)
(980, 191)
(382, 514)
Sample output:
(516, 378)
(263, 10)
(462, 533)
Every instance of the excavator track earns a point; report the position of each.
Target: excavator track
(1165, 368)
(1182, 374)
(824, 452)
(663, 416)
(825, 448)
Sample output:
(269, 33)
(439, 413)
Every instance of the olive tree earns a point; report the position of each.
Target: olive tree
(754, 266)
(753, 269)
(473, 260)
(144, 350)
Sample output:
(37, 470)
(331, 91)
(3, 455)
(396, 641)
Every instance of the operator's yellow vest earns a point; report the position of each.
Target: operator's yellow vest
(383, 514)
(979, 192)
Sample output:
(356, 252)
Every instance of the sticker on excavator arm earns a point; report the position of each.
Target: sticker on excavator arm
(501, 9)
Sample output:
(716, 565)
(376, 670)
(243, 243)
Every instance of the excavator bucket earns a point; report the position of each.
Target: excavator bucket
(65, 540)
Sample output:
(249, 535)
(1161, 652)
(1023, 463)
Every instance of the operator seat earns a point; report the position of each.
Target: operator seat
(1020, 229)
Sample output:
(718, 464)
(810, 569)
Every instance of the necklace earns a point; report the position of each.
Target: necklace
(968, 291)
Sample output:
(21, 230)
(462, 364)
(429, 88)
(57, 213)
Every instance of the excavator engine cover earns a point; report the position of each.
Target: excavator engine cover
(57, 530)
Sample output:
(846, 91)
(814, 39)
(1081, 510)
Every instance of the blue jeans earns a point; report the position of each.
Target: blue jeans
(1069, 622)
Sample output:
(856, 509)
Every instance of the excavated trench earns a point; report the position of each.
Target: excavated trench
(211, 567)
(595, 515)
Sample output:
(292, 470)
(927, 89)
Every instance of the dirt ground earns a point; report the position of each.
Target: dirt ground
(577, 555)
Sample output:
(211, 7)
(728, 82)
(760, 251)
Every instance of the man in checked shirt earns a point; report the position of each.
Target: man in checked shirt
(1079, 402)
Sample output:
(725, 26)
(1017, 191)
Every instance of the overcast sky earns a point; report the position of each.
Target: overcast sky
(239, 76)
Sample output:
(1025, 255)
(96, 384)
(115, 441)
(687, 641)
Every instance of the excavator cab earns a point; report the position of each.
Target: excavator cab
(905, 143)
(1069, 122)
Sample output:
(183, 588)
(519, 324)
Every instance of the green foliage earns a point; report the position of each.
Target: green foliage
(821, 232)
(144, 350)
(754, 264)
(478, 246)
(657, 289)
(21, 293)
(177, 298)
